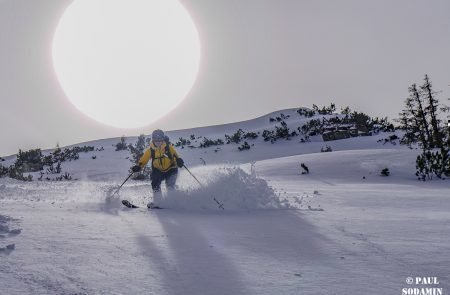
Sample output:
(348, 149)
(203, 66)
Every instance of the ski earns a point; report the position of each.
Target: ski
(153, 206)
(128, 204)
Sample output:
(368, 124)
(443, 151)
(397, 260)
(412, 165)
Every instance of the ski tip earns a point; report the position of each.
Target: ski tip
(126, 203)
(153, 206)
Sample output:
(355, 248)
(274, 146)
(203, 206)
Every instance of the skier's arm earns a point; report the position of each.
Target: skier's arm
(173, 151)
(145, 158)
(178, 160)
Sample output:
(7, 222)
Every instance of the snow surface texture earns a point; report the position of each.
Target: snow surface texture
(342, 229)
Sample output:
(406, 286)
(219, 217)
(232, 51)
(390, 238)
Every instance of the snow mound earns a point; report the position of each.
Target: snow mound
(6, 233)
(232, 186)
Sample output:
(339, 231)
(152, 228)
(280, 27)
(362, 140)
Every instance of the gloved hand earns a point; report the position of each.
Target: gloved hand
(136, 168)
(180, 162)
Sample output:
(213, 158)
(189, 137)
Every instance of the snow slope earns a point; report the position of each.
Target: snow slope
(342, 229)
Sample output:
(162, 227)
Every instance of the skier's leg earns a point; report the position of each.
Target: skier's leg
(156, 178)
(171, 178)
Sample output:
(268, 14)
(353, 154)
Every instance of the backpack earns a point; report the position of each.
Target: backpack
(167, 150)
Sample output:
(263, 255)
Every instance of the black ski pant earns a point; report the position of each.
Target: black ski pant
(158, 176)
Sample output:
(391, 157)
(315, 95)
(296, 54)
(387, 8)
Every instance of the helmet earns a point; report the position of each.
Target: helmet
(158, 135)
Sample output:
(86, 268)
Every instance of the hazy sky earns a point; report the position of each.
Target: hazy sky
(258, 56)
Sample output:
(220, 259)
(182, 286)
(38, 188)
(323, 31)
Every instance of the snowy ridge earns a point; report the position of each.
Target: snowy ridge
(110, 164)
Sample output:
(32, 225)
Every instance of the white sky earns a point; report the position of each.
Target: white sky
(258, 56)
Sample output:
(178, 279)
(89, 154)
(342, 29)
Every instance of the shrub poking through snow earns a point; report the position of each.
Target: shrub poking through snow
(433, 163)
(306, 112)
(3, 171)
(65, 176)
(279, 118)
(244, 146)
(34, 160)
(209, 142)
(305, 168)
(235, 137)
(326, 149)
(311, 128)
(54, 169)
(283, 131)
(15, 173)
(250, 135)
(269, 135)
(385, 172)
(121, 145)
(325, 110)
(279, 133)
(340, 126)
(240, 135)
(392, 139)
(182, 142)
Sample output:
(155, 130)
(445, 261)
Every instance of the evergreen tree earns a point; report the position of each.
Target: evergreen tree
(414, 121)
(421, 123)
(431, 109)
(136, 153)
(138, 149)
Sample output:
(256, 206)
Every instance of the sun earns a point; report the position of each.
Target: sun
(126, 63)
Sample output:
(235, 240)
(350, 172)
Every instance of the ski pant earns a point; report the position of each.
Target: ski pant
(158, 176)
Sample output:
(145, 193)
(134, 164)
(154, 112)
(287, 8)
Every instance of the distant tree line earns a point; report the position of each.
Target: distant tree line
(35, 161)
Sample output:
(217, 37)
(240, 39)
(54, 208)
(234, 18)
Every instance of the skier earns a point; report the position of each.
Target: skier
(165, 163)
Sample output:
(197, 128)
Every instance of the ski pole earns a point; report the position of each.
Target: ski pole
(214, 198)
(122, 184)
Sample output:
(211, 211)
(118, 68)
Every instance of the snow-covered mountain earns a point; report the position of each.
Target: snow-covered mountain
(111, 164)
(341, 229)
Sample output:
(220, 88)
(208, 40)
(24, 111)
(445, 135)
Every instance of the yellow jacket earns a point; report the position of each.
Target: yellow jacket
(161, 161)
